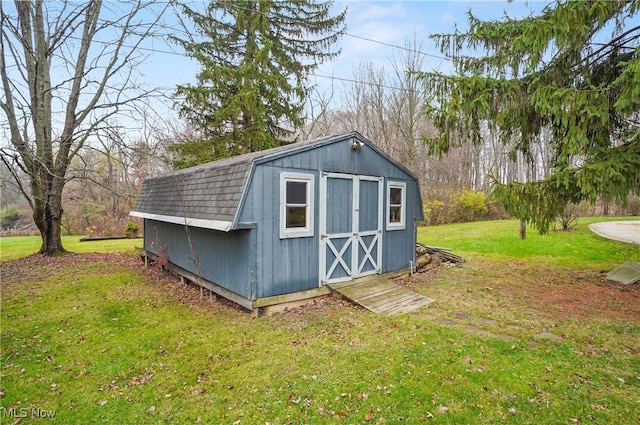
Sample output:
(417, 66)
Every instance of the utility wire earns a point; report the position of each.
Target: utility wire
(371, 40)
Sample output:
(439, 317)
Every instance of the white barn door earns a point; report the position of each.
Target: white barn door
(350, 226)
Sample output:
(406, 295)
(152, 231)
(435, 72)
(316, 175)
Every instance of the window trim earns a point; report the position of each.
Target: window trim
(297, 232)
(403, 205)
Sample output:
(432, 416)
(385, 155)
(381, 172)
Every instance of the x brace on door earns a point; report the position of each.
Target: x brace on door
(350, 226)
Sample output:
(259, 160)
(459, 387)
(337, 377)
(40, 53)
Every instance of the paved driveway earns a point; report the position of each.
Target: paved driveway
(623, 231)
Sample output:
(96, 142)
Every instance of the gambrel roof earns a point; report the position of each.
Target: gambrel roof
(209, 195)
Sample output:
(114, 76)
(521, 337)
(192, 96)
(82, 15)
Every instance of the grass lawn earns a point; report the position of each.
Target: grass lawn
(21, 246)
(498, 241)
(95, 338)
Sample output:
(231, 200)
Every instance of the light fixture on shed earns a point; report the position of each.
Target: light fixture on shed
(357, 144)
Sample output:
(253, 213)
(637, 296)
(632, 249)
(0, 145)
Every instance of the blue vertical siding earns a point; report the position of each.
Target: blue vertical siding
(225, 258)
(399, 246)
(255, 262)
(290, 265)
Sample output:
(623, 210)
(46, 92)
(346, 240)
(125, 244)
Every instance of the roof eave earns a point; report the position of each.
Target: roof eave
(222, 225)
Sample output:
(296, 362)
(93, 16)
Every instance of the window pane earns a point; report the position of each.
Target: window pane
(395, 214)
(395, 195)
(297, 193)
(296, 217)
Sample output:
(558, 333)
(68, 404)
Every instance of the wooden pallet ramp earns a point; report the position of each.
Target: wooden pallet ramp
(380, 295)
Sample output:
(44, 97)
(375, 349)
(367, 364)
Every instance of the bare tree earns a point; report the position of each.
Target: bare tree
(66, 68)
(318, 120)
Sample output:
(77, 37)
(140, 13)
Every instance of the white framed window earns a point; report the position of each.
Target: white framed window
(396, 205)
(296, 205)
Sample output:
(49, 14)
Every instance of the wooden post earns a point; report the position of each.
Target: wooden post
(523, 229)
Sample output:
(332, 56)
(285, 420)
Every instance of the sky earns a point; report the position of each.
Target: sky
(373, 28)
(375, 32)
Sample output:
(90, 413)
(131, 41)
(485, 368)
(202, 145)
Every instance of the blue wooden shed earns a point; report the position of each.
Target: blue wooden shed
(279, 225)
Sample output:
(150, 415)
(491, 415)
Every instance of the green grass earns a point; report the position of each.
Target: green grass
(499, 241)
(13, 247)
(103, 343)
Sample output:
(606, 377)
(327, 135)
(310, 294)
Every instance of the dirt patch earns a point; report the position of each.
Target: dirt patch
(576, 294)
(558, 294)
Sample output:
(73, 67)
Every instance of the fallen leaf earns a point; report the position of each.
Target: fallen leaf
(442, 409)
(429, 415)
(342, 413)
(102, 402)
(151, 409)
(513, 410)
(574, 420)
(294, 400)
(368, 417)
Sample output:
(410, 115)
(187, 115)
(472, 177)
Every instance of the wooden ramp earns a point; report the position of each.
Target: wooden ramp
(380, 295)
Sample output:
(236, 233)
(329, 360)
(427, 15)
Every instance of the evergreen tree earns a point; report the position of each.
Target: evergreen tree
(574, 69)
(255, 57)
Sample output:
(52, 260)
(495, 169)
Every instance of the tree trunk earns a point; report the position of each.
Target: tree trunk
(47, 215)
(523, 229)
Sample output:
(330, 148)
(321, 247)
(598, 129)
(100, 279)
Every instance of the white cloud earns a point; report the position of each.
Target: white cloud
(366, 11)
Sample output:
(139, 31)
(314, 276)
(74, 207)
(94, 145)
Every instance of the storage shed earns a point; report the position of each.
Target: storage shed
(279, 225)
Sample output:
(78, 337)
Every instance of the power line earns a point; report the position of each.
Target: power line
(366, 83)
(371, 40)
(398, 47)
(237, 7)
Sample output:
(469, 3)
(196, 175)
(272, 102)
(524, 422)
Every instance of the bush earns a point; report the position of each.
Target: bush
(571, 213)
(446, 205)
(132, 229)
(471, 206)
(90, 211)
(633, 205)
(9, 215)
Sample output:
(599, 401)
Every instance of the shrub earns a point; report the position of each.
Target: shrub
(9, 215)
(434, 212)
(571, 214)
(633, 205)
(132, 229)
(90, 211)
(471, 206)
(447, 205)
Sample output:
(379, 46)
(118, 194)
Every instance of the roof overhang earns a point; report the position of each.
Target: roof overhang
(224, 226)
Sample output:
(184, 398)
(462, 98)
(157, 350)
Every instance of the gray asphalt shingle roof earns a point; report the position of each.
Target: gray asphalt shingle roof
(210, 191)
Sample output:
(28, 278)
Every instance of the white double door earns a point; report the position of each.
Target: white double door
(350, 226)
